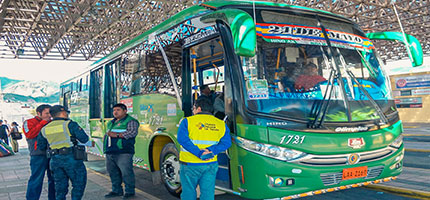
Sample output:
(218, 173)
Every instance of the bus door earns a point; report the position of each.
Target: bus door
(66, 95)
(66, 100)
(109, 91)
(207, 68)
(96, 121)
(103, 96)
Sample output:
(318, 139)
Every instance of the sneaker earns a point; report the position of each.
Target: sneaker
(128, 195)
(112, 194)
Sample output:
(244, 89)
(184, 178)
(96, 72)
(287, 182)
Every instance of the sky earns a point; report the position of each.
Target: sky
(38, 70)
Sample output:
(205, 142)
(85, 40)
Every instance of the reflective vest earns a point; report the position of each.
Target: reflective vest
(58, 134)
(204, 131)
(119, 145)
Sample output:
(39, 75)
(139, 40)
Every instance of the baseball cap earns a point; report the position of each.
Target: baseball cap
(56, 109)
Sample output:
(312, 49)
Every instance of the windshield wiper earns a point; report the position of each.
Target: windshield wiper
(322, 106)
(372, 101)
(335, 70)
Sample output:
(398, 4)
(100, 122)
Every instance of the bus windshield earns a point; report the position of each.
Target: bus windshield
(294, 71)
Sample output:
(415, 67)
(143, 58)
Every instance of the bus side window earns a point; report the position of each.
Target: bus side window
(151, 75)
(174, 55)
(125, 74)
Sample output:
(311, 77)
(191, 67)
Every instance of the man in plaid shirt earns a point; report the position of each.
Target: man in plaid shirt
(119, 149)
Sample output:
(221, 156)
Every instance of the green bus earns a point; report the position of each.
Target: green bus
(303, 91)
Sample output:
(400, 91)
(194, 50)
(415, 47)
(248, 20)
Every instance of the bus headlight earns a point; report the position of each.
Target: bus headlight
(274, 151)
(268, 150)
(397, 142)
(257, 146)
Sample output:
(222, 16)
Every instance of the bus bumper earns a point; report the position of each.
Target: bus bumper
(262, 177)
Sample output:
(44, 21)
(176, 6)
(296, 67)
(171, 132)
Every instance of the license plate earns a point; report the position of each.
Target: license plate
(356, 172)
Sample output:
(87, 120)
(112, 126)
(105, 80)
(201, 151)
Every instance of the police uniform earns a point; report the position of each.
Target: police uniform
(59, 134)
(196, 133)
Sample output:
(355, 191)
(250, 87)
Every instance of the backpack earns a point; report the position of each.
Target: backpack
(15, 134)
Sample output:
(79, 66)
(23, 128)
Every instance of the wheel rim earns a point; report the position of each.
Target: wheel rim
(170, 171)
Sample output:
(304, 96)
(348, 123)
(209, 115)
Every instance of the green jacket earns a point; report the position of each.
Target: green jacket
(119, 145)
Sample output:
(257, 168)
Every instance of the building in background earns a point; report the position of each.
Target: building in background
(411, 90)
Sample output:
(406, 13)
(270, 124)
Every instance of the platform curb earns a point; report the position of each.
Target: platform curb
(415, 134)
(410, 126)
(401, 191)
(418, 150)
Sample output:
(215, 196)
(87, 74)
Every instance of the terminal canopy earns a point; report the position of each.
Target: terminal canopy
(90, 29)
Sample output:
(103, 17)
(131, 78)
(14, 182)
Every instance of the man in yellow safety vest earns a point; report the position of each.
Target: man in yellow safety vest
(202, 137)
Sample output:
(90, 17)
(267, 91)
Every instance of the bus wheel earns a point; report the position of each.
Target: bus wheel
(169, 167)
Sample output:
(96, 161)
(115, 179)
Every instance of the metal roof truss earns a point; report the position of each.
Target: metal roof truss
(90, 29)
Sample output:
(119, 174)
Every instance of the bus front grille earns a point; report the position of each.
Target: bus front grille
(336, 178)
(374, 172)
(342, 159)
(331, 178)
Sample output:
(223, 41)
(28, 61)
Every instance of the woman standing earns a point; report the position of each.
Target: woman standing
(15, 136)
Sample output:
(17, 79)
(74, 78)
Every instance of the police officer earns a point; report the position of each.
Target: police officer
(61, 135)
(202, 137)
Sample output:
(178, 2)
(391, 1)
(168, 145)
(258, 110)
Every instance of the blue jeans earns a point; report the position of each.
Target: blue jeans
(65, 168)
(202, 175)
(38, 165)
(120, 168)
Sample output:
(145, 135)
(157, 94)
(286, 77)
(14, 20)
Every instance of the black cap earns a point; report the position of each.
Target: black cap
(56, 109)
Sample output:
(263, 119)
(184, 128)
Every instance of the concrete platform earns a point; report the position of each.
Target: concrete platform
(15, 171)
(416, 137)
(415, 178)
(414, 182)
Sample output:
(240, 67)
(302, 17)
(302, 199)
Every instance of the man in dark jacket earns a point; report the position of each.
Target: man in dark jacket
(3, 132)
(38, 161)
(119, 149)
(207, 93)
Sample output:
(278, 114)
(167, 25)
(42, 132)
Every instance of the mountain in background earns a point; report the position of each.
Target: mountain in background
(5, 82)
(29, 92)
(28, 99)
(32, 89)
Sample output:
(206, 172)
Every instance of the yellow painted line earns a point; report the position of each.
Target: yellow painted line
(418, 150)
(137, 189)
(410, 126)
(401, 191)
(412, 134)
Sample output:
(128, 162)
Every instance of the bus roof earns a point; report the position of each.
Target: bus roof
(197, 10)
(222, 3)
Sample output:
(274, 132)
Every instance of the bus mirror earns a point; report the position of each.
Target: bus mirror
(415, 50)
(242, 29)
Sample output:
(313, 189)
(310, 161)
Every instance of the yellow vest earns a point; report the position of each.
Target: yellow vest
(204, 131)
(57, 133)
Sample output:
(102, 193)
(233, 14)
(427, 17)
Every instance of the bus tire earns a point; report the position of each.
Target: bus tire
(169, 168)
